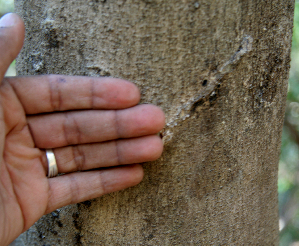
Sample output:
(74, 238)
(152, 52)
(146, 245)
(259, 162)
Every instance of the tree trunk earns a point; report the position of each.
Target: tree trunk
(219, 69)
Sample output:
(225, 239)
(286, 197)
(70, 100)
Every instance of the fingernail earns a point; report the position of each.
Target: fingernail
(8, 20)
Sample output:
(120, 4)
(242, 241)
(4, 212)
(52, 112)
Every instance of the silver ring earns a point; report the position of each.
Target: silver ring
(52, 166)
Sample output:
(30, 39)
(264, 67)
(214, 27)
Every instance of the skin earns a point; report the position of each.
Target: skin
(90, 123)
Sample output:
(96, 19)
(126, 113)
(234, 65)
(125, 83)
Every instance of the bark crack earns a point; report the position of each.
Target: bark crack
(214, 77)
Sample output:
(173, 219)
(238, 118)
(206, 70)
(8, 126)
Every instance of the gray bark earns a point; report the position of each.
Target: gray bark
(219, 69)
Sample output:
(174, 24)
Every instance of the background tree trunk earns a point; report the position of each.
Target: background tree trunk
(219, 69)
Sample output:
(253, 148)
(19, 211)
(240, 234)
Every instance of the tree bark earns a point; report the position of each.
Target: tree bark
(219, 69)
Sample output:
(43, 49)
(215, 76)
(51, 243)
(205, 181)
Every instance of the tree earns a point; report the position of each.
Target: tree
(219, 69)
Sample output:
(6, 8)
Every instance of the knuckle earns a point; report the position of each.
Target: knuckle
(116, 124)
(71, 130)
(54, 92)
(75, 190)
(117, 153)
(78, 158)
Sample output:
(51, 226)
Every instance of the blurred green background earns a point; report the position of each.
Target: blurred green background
(288, 183)
(6, 6)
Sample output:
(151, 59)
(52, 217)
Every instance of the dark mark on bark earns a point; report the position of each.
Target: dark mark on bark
(78, 237)
(217, 170)
(52, 38)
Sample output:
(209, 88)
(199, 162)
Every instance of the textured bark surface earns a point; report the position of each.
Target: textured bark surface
(219, 69)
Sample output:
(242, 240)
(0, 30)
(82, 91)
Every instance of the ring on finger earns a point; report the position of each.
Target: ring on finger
(52, 165)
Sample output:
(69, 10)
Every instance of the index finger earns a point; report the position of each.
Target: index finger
(49, 93)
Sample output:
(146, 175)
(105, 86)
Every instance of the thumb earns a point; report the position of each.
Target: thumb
(12, 34)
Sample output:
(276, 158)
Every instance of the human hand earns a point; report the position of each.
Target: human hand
(90, 123)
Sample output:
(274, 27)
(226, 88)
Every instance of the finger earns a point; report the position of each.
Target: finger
(90, 126)
(12, 34)
(108, 154)
(81, 186)
(49, 93)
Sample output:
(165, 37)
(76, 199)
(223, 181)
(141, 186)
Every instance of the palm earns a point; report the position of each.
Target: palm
(24, 187)
(88, 122)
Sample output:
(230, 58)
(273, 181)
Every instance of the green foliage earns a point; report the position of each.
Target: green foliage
(6, 6)
(293, 94)
(288, 182)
